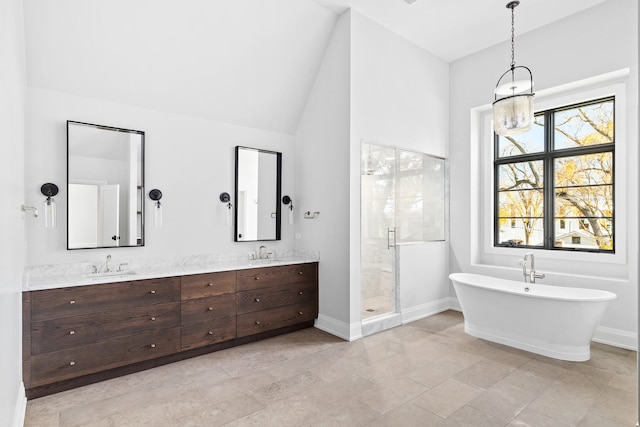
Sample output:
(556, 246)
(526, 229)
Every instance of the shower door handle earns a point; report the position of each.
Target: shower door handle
(389, 241)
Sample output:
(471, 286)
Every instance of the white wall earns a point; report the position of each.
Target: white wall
(377, 86)
(322, 176)
(190, 160)
(599, 40)
(12, 244)
(399, 97)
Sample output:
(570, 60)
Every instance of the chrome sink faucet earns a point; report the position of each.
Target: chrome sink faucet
(530, 276)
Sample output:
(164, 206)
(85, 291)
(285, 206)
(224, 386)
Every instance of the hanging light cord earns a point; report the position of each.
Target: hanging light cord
(513, 54)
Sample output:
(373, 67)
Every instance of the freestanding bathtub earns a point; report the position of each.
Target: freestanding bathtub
(553, 321)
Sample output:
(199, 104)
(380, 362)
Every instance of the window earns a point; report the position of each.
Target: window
(556, 181)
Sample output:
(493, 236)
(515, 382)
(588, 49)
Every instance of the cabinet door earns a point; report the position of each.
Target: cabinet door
(210, 284)
(274, 318)
(256, 278)
(277, 296)
(81, 300)
(67, 332)
(69, 363)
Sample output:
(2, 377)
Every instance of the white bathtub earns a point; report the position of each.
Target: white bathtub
(554, 321)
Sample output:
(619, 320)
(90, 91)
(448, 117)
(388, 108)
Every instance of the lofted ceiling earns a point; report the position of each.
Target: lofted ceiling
(249, 62)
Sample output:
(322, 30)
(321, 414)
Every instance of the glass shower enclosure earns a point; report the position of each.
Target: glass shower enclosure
(402, 202)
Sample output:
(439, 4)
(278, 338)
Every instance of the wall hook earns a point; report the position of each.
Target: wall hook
(311, 215)
(33, 210)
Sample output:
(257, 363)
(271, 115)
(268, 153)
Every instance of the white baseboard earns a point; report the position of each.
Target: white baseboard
(346, 331)
(616, 338)
(425, 310)
(454, 304)
(21, 407)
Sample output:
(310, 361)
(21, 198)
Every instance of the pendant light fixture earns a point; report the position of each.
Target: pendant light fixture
(513, 102)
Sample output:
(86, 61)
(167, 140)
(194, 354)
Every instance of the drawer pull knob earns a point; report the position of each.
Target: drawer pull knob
(257, 277)
(152, 292)
(72, 363)
(210, 332)
(210, 309)
(72, 332)
(210, 284)
(72, 301)
(153, 318)
(152, 346)
(300, 273)
(257, 322)
(300, 313)
(257, 299)
(300, 293)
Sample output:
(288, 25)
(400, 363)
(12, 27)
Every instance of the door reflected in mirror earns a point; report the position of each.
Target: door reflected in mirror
(105, 181)
(258, 187)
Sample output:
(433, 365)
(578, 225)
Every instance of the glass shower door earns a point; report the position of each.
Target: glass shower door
(378, 219)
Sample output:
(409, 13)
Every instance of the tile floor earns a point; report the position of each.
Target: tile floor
(426, 373)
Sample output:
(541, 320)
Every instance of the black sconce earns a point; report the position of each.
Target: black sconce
(49, 205)
(156, 195)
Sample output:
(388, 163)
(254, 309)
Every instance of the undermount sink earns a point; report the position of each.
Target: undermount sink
(110, 274)
(263, 261)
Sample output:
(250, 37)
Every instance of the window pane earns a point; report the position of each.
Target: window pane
(523, 175)
(526, 143)
(525, 231)
(584, 233)
(521, 219)
(596, 202)
(584, 126)
(591, 169)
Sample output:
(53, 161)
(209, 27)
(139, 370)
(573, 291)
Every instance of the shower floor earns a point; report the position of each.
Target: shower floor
(376, 306)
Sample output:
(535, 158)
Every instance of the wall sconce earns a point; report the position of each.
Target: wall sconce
(288, 201)
(226, 198)
(49, 205)
(156, 195)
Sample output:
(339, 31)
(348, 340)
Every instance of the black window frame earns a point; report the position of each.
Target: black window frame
(548, 157)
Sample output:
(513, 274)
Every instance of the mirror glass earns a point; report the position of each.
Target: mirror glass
(105, 183)
(258, 182)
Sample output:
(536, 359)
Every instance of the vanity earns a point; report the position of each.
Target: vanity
(81, 334)
(84, 323)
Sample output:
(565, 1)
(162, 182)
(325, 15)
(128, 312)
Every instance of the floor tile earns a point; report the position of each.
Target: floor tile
(503, 400)
(426, 373)
(447, 397)
(407, 414)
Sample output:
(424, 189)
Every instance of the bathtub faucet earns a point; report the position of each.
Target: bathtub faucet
(530, 276)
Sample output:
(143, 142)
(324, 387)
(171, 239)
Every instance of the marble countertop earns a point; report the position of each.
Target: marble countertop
(77, 274)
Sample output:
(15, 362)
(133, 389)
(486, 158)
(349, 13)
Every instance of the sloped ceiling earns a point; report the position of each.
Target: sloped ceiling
(249, 62)
(245, 62)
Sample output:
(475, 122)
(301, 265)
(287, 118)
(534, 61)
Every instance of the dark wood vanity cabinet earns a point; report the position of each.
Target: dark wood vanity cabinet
(86, 329)
(208, 309)
(274, 297)
(78, 335)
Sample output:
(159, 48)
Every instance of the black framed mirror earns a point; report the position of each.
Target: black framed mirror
(257, 195)
(105, 186)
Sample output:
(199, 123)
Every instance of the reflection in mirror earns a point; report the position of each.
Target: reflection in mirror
(258, 182)
(105, 179)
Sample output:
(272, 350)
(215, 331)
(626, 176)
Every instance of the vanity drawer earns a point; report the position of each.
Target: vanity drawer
(75, 331)
(256, 278)
(276, 296)
(81, 300)
(217, 329)
(205, 309)
(266, 320)
(74, 362)
(210, 284)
